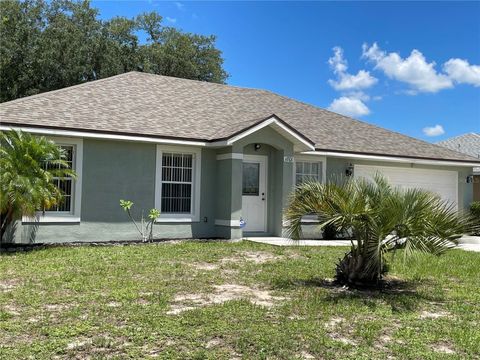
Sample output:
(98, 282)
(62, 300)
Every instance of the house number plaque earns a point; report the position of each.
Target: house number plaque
(288, 159)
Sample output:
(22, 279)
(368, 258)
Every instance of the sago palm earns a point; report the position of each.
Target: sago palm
(381, 219)
(28, 165)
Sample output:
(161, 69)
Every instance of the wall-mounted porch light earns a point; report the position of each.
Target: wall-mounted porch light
(257, 146)
(349, 170)
(469, 179)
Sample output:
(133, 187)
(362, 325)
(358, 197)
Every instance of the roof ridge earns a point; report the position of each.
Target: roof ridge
(68, 88)
(202, 82)
(91, 82)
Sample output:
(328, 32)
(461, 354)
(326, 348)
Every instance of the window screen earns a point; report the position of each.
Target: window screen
(177, 181)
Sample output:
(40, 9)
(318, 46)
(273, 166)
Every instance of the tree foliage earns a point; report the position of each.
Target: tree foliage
(382, 219)
(26, 183)
(50, 45)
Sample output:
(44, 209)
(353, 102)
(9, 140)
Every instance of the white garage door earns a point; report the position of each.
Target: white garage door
(442, 182)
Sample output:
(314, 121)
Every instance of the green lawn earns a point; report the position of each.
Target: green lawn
(217, 300)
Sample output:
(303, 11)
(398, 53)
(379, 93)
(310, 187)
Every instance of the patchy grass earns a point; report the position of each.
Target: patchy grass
(216, 300)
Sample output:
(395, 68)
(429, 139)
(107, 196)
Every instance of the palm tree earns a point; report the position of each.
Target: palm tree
(28, 165)
(381, 218)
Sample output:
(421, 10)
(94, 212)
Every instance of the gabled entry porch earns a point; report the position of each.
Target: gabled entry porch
(254, 180)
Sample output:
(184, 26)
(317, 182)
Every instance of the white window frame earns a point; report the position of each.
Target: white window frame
(309, 219)
(196, 153)
(311, 159)
(74, 215)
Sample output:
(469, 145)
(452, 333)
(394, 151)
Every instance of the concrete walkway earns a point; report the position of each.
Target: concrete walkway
(279, 241)
(467, 243)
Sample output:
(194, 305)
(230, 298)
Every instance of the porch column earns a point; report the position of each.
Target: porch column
(228, 194)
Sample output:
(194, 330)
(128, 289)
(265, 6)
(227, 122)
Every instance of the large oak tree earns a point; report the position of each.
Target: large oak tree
(50, 45)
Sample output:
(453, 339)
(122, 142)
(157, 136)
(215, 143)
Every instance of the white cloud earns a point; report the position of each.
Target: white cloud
(436, 130)
(357, 95)
(346, 81)
(461, 71)
(179, 5)
(172, 20)
(413, 70)
(337, 62)
(349, 106)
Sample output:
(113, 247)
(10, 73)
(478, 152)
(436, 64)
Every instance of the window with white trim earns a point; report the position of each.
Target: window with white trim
(177, 184)
(69, 209)
(64, 184)
(306, 171)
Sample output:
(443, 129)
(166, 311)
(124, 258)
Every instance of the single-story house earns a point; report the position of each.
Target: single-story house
(211, 157)
(467, 144)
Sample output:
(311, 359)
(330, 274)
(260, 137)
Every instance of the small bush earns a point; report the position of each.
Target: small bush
(475, 211)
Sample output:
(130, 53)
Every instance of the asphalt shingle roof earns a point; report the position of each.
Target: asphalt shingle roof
(467, 144)
(153, 105)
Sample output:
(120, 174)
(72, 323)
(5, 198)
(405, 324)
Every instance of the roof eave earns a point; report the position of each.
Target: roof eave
(395, 158)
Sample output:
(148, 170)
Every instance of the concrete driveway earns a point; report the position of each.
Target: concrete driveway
(467, 243)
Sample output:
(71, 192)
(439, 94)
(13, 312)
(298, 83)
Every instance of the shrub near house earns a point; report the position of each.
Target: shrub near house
(32, 176)
(382, 219)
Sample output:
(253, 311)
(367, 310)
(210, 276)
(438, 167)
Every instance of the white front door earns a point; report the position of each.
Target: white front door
(254, 193)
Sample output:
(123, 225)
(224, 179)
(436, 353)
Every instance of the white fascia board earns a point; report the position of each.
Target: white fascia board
(268, 122)
(92, 135)
(392, 159)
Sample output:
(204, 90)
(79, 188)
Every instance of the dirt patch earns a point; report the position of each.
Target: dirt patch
(114, 304)
(204, 266)
(333, 322)
(215, 342)
(342, 339)
(78, 344)
(221, 294)
(56, 307)
(336, 333)
(12, 310)
(443, 348)
(142, 302)
(386, 336)
(257, 257)
(8, 285)
(306, 356)
(433, 315)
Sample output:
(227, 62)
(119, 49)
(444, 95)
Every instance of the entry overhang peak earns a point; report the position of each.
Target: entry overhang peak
(300, 141)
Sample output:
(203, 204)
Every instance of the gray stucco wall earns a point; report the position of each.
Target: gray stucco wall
(114, 170)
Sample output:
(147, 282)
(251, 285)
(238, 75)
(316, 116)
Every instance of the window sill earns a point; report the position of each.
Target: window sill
(51, 219)
(176, 220)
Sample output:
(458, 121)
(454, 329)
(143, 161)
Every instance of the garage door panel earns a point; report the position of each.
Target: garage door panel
(441, 182)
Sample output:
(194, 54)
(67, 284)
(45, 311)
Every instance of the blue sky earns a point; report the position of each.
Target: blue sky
(410, 67)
